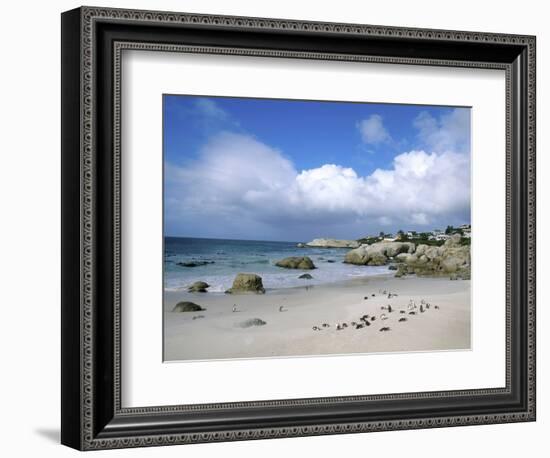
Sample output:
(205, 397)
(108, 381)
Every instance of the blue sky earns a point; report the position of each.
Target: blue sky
(293, 170)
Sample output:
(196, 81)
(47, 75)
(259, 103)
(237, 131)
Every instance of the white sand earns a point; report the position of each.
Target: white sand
(218, 335)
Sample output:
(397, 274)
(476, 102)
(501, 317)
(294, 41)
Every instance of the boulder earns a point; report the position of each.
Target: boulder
(377, 254)
(392, 267)
(306, 276)
(402, 257)
(401, 271)
(198, 287)
(454, 241)
(247, 283)
(451, 259)
(301, 245)
(333, 243)
(359, 256)
(186, 306)
(377, 259)
(296, 262)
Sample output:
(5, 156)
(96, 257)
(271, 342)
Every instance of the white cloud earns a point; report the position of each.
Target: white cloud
(209, 108)
(239, 182)
(373, 131)
(451, 132)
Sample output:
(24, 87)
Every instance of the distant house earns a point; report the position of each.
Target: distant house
(466, 230)
(436, 232)
(440, 237)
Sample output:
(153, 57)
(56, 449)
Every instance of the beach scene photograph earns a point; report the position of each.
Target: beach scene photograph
(313, 228)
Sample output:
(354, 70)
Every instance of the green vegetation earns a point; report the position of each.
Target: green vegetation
(453, 230)
(368, 240)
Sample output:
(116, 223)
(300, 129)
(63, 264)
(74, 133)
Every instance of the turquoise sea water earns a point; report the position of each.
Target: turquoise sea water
(226, 258)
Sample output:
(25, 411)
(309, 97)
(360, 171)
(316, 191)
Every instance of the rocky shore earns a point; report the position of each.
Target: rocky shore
(451, 259)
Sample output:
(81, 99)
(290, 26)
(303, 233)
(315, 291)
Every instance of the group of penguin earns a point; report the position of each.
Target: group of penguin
(366, 320)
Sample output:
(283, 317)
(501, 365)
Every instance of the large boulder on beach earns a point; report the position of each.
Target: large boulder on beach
(402, 257)
(296, 262)
(306, 277)
(186, 306)
(333, 243)
(401, 270)
(198, 287)
(377, 254)
(247, 283)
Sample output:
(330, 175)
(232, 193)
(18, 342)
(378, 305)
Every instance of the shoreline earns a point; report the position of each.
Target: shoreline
(281, 290)
(219, 333)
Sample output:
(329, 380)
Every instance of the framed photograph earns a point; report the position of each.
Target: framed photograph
(276, 228)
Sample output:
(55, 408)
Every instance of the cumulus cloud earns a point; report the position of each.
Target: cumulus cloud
(373, 131)
(239, 182)
(451, 132)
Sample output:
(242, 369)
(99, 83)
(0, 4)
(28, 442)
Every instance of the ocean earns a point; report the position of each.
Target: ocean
(219, 261)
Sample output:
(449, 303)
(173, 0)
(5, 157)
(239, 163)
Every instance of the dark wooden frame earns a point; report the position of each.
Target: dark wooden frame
(92, 42)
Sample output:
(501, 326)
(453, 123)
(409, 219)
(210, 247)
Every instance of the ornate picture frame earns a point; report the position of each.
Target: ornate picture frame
(93, 416)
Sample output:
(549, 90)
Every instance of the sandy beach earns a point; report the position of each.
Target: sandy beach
(290, 315)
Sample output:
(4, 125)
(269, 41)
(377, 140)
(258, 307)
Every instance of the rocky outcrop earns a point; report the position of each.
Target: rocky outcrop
(377, 254)
(449, 260)
(333, 243)
(198, 287)
(187, 307)
(247, 283)
(306, 276)
(301, 245)
(296, 262)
